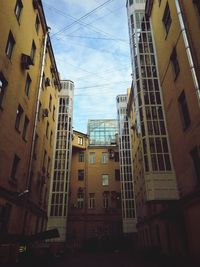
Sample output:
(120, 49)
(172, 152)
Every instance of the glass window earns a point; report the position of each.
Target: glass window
(18, 8)
(18, 117)
(197, 4)
(104, 158)
(105, 200)
(50, 102)
(81, 157)
(33, 50)
(27, 85)
(195, 154)
(25, 129)
(105, 179)
(92, 157)
(80, 197)
(185, 116)
(80, 175)
(10, 44)
(3, 84)
(167, 18)
(80, 140)
(117, 175)
(15, 166)
(47, 130)
(37, 23)
(91, 201)
(175, 62)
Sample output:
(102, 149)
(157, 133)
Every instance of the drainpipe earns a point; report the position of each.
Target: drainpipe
(37, 108)
(188, 51)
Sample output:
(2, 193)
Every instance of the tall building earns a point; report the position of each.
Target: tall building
(175, 26)
(29, 86)
(95, 199)
(158, 190)
(59, 192)
(126, 167)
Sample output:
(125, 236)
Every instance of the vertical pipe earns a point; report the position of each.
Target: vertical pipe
(37, 108)
(188, 51)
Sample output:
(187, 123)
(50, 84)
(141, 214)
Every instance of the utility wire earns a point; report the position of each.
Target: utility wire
(81, 18)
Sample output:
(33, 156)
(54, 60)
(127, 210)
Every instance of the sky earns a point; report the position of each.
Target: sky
(91, 47)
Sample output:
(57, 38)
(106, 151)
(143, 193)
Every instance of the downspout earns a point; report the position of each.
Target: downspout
(188, 51)
(37, 108)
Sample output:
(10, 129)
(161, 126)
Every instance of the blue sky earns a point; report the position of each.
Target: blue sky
(91, 47)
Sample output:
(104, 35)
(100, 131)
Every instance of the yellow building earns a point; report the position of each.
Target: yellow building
(95, 200)
(175, 26)
(29, 85)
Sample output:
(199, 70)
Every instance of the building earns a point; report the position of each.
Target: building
(95, 200)
(156, 189)
(126, 167)
(29, 86)
(59, 192)
(175, 26)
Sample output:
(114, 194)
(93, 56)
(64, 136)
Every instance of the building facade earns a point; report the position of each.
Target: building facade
(29, 86)
(126, 168)
(175, 26)
(156, 187)
(95, 199)
(59, 192)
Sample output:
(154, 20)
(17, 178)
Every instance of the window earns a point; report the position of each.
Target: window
(33, 50)
(105, 199)
(91, 201)
(25, 129)
(10, 44)
(159, 2)
(37, 23)
(39, 110)
(185, 116)
(5, 212)
(43, 81)
(80, 175)
(80, 200)
(104, 158)
(27, 85)
(105, 180)
(18, 117)
(3, 84)
(116, 155)
(50, 102)
(81, 157)
(48, 166)
(15, 167)
(80, 140)
(197, 4)
(167, 18)
(47, 130)
(54, 110)
(51, 136)
(92, 157)
(130, 2)
(195, 154)
(117, 175)
(18, 8)
(35, 146)
(175, 63)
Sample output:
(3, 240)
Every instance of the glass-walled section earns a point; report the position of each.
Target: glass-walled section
(126, 168)
(102, 132)
(58, 202)
(149, 107)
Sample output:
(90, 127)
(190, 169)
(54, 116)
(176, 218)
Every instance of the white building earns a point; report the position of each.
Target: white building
(58, 200)
(126, 168)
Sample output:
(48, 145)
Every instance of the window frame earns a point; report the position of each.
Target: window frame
(105, 182)
(15, 167)
(3, 84)
(184, 111)
(81, 175)
(10, 45)
(167, 20)
(81, 157)
(18, 9)
(19, 115)
(28, 84)
(92, 157)
(104, 158)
